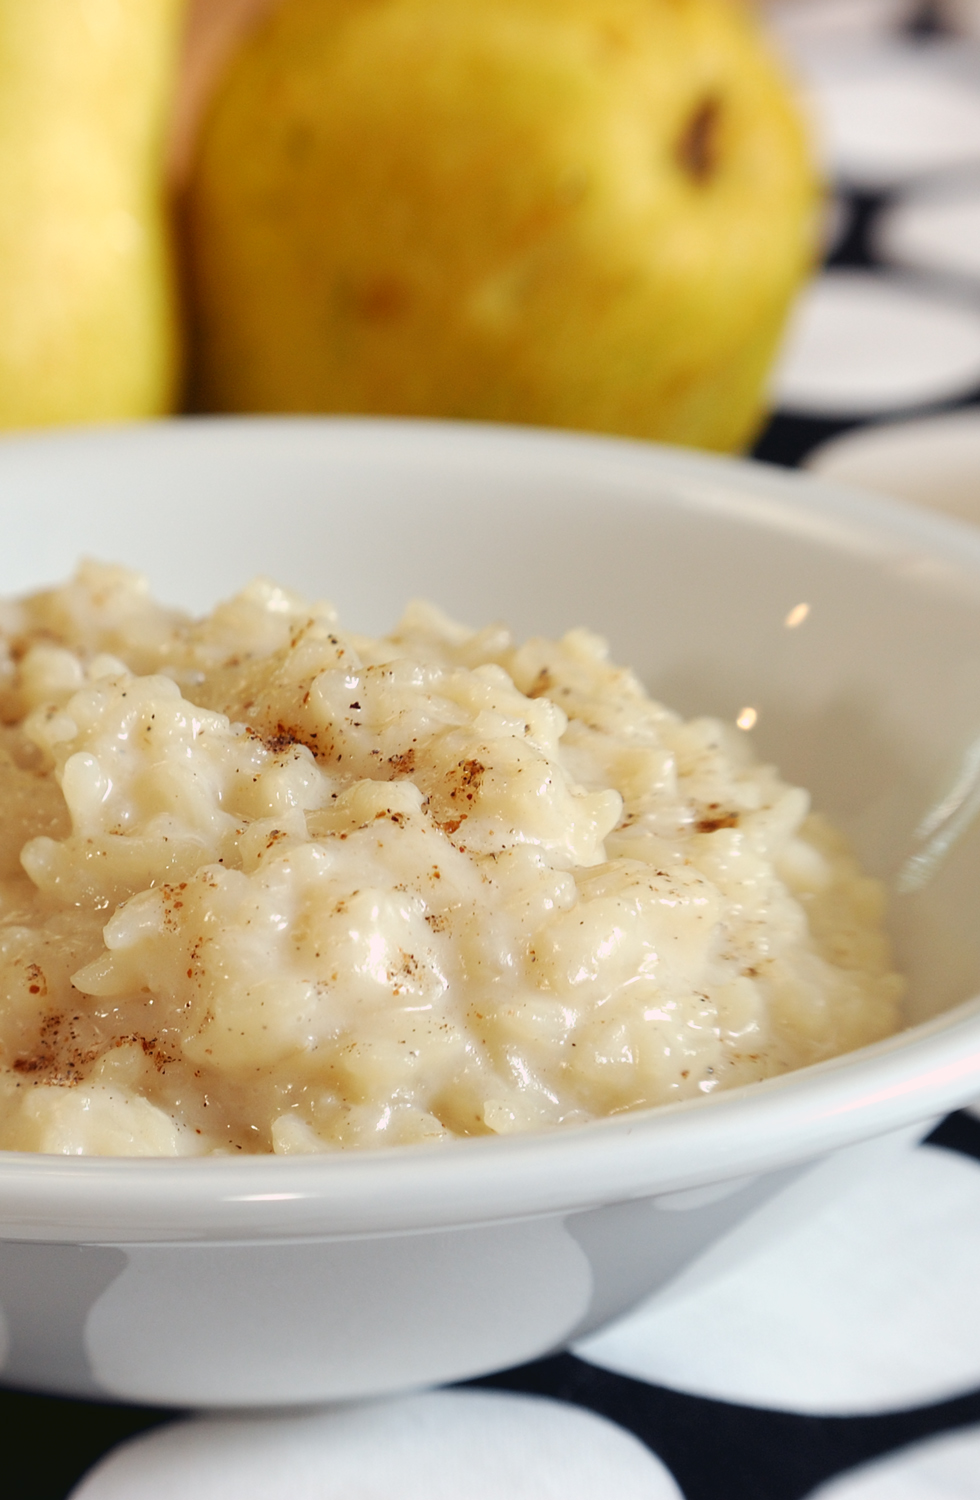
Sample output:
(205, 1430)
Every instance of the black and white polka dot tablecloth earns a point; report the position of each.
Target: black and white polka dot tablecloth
(842, 1362)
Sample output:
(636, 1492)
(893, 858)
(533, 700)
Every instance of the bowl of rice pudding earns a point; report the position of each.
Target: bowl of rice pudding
(454, 882)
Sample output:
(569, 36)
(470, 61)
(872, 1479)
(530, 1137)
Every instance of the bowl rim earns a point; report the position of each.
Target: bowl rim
(915, 1076)
(918, 1075)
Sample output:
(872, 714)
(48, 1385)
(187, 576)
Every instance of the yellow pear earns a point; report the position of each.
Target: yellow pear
(88, 328)
(582, 213)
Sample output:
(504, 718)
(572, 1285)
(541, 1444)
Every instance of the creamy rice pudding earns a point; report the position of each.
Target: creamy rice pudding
(269, 885)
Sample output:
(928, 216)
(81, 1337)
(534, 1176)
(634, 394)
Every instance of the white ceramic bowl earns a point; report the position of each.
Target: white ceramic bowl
(265, 1280)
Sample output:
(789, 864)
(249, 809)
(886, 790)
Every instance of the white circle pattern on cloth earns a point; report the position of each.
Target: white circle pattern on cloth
(947, 1468)
(892, 120)
(448, 1445)
(860, 344)
(800, 25)
(933, 461)
(868, 1307)
(935, 229)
